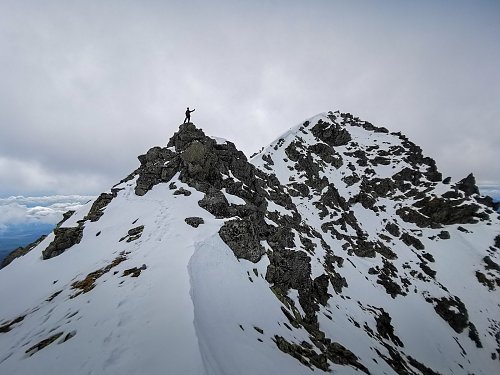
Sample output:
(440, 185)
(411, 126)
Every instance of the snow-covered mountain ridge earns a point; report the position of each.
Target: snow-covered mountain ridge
(338, 248)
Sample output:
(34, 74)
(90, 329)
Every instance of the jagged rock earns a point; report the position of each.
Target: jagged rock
(474, 335)
(157, 165)
(338, 282)
(133, 234)
(409, 240)
(453, 311)
(369, 126)
(380, 160)
(483, 279)
(302, 189)
(361, 156)
(447, 180)
(268, 159)
(200, 162)
(468, 185)
(134, 272)
(490, 264)
(412, 216)
(366, 200)
(488, 201)
(432, 173)
(385, 278)
(453, 194)
(241, 237)
(320, 289)
(66, 216)
(326, 153)
(331, 134)
(185, 136)
(63, 240)
(289, 269)
(100, 203)
(331, 198)
(351, 180)
(194, 221)
(216, 203)
(427, 270)
(447, 212)
(379, 187)
(135, 231)
(408, 174)
(393, 229)
(385, 328)
(434, 212)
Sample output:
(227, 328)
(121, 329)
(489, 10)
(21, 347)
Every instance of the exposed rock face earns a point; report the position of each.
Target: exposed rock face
(331, 134)
(468, 185)
(96, 211)
(64, 239)
(21, 251)
(155, 168)
(241, 237)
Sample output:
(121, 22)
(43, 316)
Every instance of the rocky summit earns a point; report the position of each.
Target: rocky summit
(339, 248)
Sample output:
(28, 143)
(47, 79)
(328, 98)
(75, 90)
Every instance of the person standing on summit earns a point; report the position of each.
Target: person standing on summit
(188, 115)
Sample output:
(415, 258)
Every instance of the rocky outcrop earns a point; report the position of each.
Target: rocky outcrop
(64, 238)
(133, 234)
(157, 165)
(468, 185)
(331, 134)
(96, 211)
(434, 212)
(241, 236)
(195, 222)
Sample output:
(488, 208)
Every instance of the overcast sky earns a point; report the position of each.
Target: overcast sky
(86, 86)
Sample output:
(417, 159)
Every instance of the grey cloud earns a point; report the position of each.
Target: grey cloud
(87, 86)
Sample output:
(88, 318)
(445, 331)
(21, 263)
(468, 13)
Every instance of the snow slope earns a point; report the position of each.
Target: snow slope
(338, 248)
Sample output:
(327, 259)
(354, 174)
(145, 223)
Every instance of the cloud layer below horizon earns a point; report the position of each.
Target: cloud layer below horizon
(88, 86)
(19, 210)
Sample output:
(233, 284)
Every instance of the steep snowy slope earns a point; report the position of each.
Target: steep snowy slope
(414, 263)
(337, 248)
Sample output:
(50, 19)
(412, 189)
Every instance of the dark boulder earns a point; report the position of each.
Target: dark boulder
(195, 222)
(241, 237)
(444, 235)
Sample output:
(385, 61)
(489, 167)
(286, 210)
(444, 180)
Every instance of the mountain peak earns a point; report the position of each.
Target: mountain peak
(337, 248)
